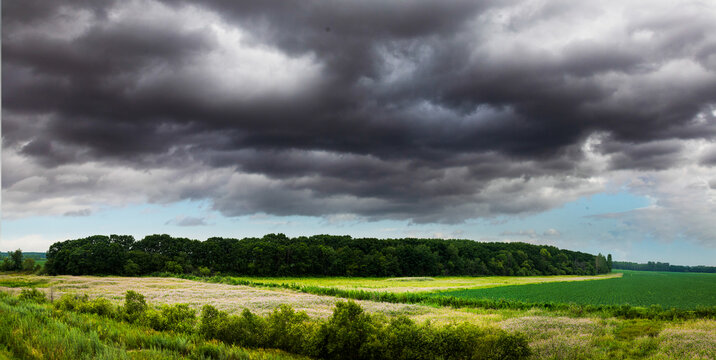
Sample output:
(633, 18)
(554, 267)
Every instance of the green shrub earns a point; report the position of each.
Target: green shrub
(179, 317)
(134, 306)
(173, 267)
(211, 323)
(33, 295)
(248, 330)
(82, 304)
(99, 306)
(287, 329)
(345, 334)
(636, 328)
(401, 339)
(204, 271)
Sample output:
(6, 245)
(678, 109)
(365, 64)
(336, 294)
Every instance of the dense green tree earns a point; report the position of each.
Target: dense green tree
(320, 255)
(16, 257)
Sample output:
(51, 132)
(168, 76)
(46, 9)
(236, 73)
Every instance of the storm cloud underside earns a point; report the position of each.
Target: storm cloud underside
(427, 111)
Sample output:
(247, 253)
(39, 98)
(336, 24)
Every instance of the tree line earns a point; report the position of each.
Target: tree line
(17, 261)
(660, 266)
(319, 255)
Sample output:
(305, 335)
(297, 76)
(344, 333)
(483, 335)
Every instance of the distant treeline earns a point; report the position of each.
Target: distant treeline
(320, 255)
(660, 266)
(26, 255)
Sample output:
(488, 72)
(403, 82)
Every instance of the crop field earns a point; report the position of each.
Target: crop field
(420, 284)
(551, 335)
(636, 288)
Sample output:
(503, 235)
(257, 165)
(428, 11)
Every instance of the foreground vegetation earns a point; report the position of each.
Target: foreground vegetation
(550, 333)
(320, 255)
(349, 334)
(32, 329)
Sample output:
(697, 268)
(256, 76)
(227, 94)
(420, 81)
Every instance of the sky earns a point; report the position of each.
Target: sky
(587, 126)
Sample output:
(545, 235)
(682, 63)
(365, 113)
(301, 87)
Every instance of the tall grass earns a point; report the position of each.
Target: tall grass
(38, 331)
(99, 329)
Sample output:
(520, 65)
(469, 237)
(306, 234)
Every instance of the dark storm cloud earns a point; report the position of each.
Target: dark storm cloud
(424, 110)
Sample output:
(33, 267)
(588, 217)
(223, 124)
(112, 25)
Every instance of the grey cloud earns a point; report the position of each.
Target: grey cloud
(187, 221)
(403, 110)
(83, 212)
(656, 155)
(709, 158)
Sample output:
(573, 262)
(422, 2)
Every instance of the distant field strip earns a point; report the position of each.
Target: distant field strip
(636, 288)
(420, 284)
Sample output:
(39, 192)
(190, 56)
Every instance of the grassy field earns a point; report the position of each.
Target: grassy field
(636, 288)
(551, 335)
(420, 284)
(35, 331)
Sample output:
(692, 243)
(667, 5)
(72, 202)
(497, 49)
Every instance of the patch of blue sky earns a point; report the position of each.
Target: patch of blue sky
(576, 226)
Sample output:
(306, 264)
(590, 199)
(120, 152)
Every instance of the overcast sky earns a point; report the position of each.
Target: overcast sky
(586, 125)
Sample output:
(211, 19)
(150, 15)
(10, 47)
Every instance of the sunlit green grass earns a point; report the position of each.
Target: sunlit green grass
(636, 288)
(23, 282)
(412, 284)
(35, 331)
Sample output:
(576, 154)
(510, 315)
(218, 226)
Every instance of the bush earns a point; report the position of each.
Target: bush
(287, 329)
(248, 330)
(204, 271)
(179, 318)
(345, 334)
(401, 339)
(173, 267)
(211, 323)
(134, 306)
(82, 304)
(33, 295)
(28, 264)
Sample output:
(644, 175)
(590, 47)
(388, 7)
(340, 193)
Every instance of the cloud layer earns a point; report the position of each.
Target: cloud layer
(426, 110)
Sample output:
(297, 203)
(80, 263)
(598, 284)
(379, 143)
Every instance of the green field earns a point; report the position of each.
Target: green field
(636, 288)
(419, 284)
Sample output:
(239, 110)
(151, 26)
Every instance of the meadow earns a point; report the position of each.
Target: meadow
(418, 284)
(31, 330)
(77, 327)
(635, 288)
(551, 333)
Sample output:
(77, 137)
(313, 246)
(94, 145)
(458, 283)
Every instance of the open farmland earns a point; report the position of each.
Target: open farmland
(636, 288)
(551, 335)
(415, 284)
